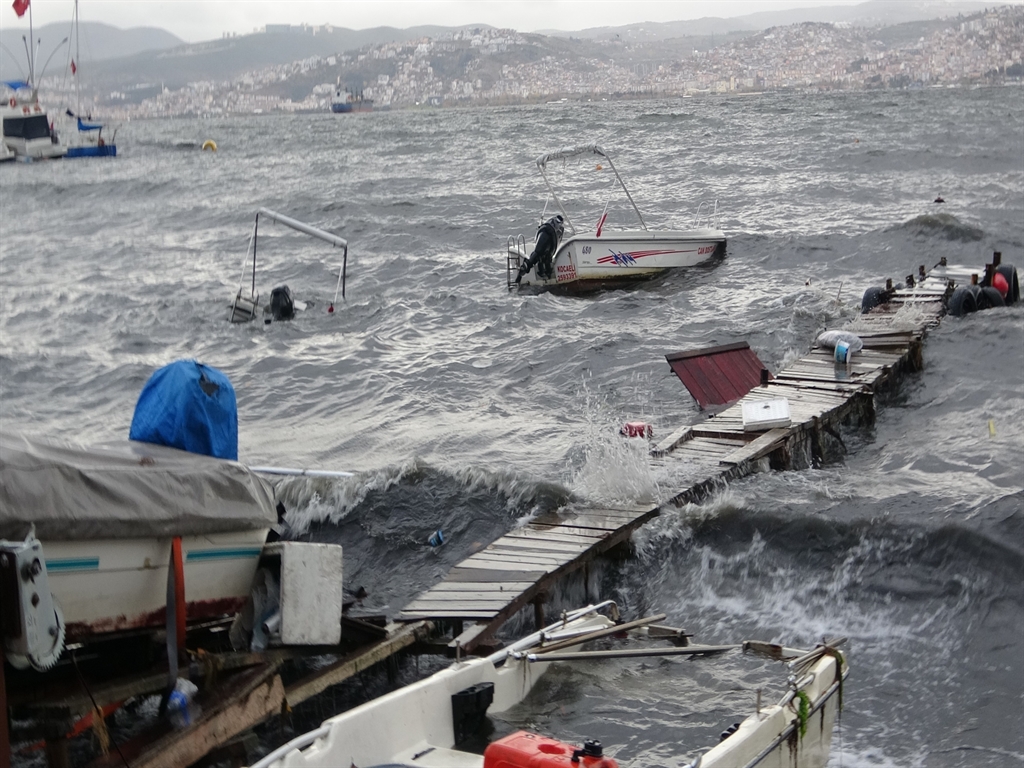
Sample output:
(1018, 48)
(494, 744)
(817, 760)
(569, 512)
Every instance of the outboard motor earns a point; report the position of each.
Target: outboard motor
(548, 236)
(281, 306)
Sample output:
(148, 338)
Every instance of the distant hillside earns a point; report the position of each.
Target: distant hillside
(120, 60)
(870, 14)
(232, 56)
(97, 42)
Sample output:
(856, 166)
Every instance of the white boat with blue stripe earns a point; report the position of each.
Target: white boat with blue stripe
(566, 258)
(108, 515)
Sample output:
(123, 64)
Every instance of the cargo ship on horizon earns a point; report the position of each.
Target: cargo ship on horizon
(345, 101)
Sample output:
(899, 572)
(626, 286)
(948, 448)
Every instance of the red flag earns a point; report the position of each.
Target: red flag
(73, 67)
(20, 6)
(600, 222)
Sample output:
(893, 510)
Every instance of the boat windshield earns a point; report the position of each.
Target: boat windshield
(32, 127)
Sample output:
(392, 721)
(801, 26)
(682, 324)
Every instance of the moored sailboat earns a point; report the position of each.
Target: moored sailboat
(83, 137)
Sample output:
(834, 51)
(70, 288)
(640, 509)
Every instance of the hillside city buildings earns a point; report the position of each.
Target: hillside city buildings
(487, 66)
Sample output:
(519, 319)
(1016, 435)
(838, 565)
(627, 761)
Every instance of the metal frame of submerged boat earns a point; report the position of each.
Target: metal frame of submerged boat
(420, 725)
(606, 258)
(244, 308)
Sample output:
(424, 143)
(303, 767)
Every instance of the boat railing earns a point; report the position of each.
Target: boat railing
(707, 216)
(515, 256)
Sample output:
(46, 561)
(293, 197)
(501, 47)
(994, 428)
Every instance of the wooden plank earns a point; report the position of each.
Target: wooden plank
(553, 534)
(468, 635)
(424, 615)
(512, 587)
(507, 559)
(459, 597)
(506, 564)
(246, 708)
(674, 440)
(578, 529)
(567, 517)
(766, 443)
(491, 574)
(453, 607)
(322, 679)
(519, 544)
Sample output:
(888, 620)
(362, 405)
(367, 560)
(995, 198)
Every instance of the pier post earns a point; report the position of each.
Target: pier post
(56, 743)
(5, 735)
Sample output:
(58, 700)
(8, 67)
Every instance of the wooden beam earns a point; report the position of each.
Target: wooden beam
(345, 668)
(260, 696)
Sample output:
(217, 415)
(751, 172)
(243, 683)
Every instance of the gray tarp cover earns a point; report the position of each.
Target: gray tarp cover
(124, 490)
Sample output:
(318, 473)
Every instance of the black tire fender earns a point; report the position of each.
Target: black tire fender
(1009, 272)
(989, 298)
(961, 302)
(873, 297)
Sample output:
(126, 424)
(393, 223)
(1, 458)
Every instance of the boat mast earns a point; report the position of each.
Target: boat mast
(31, 55)
(77, 61)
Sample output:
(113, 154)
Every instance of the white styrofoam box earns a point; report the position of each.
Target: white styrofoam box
(765, 414)
(311, 595)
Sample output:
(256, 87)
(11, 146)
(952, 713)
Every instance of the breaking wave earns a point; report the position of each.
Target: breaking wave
(942, 225)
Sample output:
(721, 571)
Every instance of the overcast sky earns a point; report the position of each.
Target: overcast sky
(196, 20)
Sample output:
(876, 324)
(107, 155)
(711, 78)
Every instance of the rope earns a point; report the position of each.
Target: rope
(98, 712)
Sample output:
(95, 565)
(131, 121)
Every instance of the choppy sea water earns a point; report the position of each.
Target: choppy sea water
(464, 407)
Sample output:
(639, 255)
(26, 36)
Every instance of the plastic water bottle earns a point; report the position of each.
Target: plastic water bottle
(181, 704)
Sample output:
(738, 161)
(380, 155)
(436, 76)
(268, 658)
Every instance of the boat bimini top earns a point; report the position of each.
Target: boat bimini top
(569, 153)
(243, 308)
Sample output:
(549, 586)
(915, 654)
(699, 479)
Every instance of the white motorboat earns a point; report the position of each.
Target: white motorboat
(588, 260)
(106, 517)
(26, 127)
(424, 724)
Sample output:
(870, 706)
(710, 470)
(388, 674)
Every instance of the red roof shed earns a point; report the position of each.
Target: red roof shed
(718, 375)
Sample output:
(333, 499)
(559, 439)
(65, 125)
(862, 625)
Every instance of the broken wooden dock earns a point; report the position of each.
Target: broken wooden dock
(519, 569)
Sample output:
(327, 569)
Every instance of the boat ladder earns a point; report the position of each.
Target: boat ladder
(707, 216)
(515, 256)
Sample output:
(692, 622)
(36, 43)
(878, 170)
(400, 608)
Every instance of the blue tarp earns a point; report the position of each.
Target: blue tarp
(16, 85)
(189, 406)
(88, 126)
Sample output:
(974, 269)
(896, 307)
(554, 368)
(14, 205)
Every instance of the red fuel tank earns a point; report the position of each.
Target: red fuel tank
(529, 750)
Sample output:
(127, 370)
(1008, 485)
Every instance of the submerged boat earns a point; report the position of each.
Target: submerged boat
(589, 260)
(430, 723)
(282, 306)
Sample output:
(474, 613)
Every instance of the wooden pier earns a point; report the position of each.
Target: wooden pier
(518, 570)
